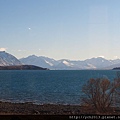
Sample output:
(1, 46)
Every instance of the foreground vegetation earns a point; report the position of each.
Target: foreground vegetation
(102, 94)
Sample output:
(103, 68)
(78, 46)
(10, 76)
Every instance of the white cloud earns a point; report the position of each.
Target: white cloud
(3, 49)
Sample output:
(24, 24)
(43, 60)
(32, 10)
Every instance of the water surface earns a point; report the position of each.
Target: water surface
(50, 86)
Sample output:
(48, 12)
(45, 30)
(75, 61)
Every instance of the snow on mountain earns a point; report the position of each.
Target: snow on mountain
(65, 64)
(91, 66)
(98, 62)
(112, 66)
(39, 61)
(7, 59)
(49, 63)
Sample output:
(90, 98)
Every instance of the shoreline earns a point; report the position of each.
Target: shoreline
(28, 108)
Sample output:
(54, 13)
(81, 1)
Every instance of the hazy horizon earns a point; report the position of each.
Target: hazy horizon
(60, 29)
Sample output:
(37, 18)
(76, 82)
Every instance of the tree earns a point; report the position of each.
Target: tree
(99, 93)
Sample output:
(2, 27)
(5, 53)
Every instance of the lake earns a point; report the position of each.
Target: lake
(47, 86)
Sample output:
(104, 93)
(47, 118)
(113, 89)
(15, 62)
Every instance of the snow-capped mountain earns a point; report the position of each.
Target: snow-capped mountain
(98, 62)
(7, 59)
(39, 61)
(64, 64)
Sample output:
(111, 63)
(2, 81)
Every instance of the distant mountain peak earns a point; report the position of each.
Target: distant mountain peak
(32, 56)
(2, 51)
(7, 59)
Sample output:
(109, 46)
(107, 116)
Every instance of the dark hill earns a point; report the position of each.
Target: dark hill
(116, 68)
(22, 67)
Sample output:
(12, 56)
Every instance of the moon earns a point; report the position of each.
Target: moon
(29, 28)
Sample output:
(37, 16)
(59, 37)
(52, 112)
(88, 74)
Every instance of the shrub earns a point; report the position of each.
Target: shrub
(100, 93)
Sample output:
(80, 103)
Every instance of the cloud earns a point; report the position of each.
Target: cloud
(3, 49)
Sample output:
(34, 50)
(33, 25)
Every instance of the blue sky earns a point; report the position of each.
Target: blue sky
(69, 29)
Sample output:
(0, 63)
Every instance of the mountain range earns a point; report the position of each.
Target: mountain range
(7, 59)
(65, 64)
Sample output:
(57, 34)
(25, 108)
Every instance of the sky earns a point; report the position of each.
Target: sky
(60, 29)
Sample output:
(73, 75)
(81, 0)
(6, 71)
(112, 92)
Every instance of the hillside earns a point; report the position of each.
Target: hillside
(22, 67)
(10, 62)
(7, 59)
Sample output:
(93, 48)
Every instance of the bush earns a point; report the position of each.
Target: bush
(100, 93)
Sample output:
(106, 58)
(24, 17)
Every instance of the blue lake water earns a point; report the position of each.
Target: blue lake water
(51, 86)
